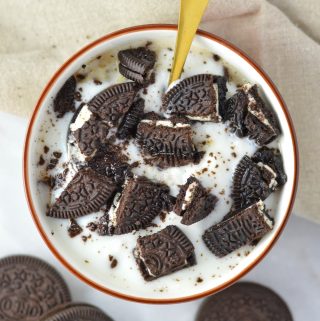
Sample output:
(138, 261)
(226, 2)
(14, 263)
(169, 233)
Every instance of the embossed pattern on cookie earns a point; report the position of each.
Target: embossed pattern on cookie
(249, 184)
(163, 253)
(244, 301)
(167, 142)
(139, 203)
(241, 229)
(113, 103)
(198, 97)
(29, 288)
(87, 192)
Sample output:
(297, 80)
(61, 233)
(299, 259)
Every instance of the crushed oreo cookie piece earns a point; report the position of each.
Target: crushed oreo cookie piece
(163, 253)
(112, 163)
(87, 192)
(139, 203)
(194, 202)
(199, 97)
(271, 159)
(167, 142)
(241, 229)
(250, 116)
(128, 126)
(249, 184)
(64, 100)
(74, 228)
(91, 136)
(113, 103)
(136, 64)
(261, 121)
(235, 110)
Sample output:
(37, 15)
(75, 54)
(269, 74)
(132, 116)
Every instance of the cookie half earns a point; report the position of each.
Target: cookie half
(87, 192)
(199, 97)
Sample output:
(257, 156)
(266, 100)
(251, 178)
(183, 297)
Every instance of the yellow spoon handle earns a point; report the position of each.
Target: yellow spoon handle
(191, 12)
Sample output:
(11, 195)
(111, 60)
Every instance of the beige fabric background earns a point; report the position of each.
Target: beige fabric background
(36, 36)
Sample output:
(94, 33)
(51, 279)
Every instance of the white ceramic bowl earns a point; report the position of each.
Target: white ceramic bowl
(37, 198)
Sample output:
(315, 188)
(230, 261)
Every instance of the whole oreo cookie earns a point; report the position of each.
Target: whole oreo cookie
(243, 302)
(77, 312)
(29, 289)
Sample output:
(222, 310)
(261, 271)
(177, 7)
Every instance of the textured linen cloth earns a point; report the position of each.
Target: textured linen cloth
(37, 36)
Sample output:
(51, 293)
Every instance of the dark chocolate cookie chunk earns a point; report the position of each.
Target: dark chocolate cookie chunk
(29, 288)
(64, 100)
(194, 202)
(131, 120)
(261, 121)
(87, 192)
(114, 102)
(249, 184)
(270, 157)
(77, 312)
(111, 162)
(249, 116)
(91, 136)
(241, 229)
(235, 110)
(139, 203)
(163, 253)
(167, 143)
(199, 97)
(136, 64)
(74, 228)
(244, 301)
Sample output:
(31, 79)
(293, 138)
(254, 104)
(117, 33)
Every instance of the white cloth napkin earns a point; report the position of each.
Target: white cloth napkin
(37, 36)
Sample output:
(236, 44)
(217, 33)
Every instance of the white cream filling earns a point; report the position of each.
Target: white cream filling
(252, 103)
(83, 116)
(261, 208)
(273, 183)
(114, 208)
(189, 195)
(164, 123)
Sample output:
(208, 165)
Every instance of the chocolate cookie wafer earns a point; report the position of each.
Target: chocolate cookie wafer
(29, 288)
(163, 253)
(139, 203)
(242, 228)
(199, 97)
(194, 202)
(167, 142)
(131, 120)
(250, 184)
(77, 312)
(64, 100)
(113, 103)
(87, 192)
(244, 301)
(136, 63)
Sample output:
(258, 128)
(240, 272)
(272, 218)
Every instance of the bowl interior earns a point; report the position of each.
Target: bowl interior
(85, 260)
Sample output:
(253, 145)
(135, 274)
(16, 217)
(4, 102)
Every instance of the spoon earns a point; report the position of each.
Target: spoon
(191, 12)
